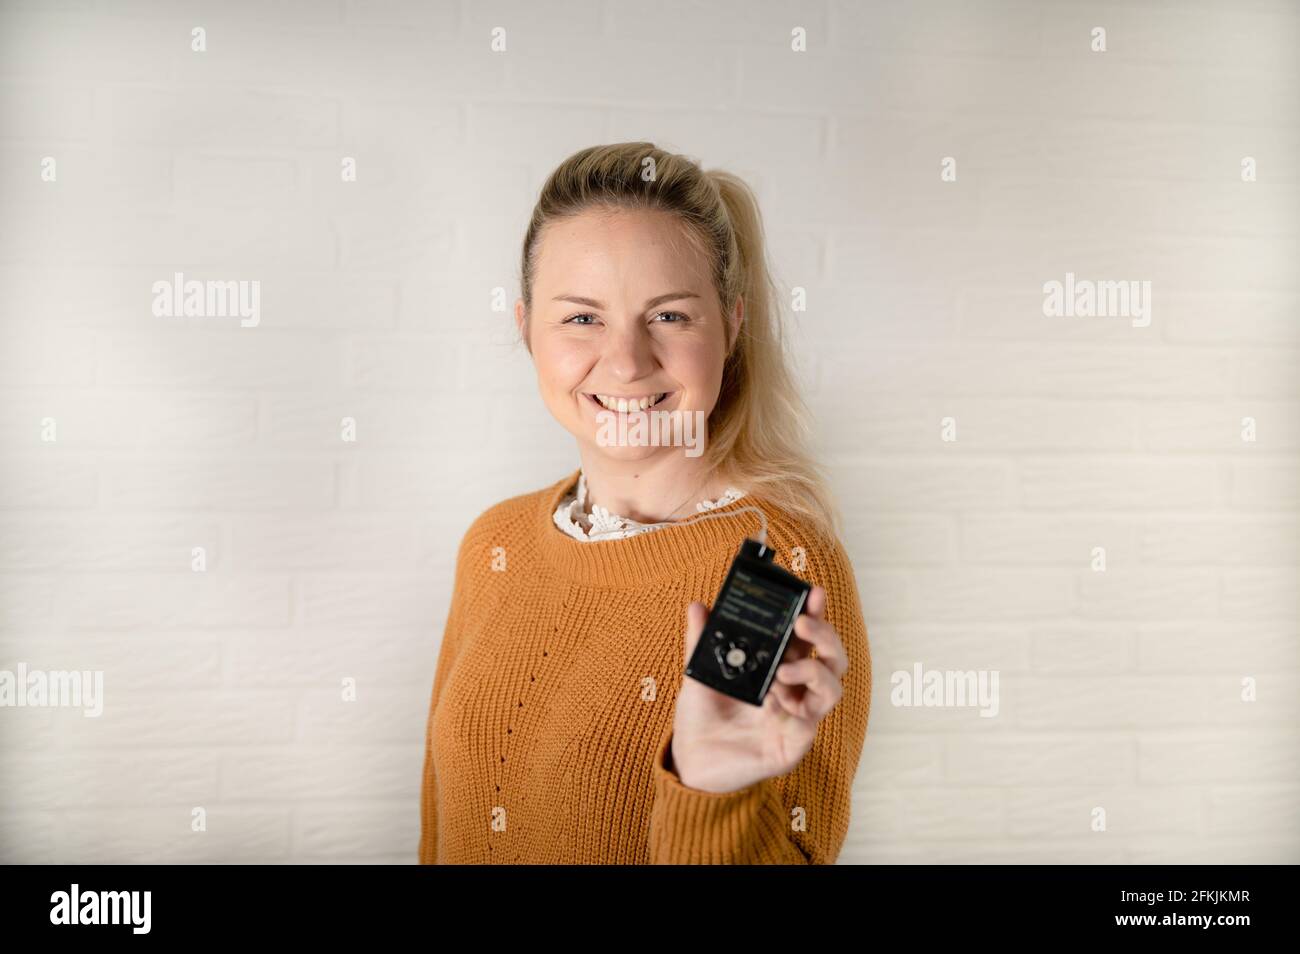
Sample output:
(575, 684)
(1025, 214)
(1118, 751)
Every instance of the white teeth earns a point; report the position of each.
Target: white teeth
(625, 405)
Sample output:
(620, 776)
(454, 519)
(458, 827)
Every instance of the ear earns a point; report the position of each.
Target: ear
(734, 321)
(521, 323)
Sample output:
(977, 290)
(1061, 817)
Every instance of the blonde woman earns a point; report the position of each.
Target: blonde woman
(561, 729)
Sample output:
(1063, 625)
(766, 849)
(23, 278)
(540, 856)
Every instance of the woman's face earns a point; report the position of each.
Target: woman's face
(624, 309)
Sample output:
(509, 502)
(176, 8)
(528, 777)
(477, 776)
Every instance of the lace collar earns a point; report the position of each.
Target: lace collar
(571, 515)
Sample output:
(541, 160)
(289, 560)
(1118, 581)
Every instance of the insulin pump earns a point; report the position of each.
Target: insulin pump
(749, 625)
(751, 621)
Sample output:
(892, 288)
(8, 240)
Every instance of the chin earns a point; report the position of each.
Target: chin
(627, 454)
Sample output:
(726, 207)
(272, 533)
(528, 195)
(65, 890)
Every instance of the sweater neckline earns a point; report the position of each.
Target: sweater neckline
(570, 516)
(666, 553)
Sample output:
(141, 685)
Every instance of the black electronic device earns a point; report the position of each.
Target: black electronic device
(749, 625)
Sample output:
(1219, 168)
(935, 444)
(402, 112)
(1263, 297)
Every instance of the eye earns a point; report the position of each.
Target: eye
(574, 319)
(675, 314)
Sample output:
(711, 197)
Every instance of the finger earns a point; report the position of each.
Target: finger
(697, 614)
(787, 700)
(796, 648)
(815, 605)
(811, 700)
(822, 687)
(823, 637)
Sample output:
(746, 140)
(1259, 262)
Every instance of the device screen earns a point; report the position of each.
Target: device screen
(758, 605)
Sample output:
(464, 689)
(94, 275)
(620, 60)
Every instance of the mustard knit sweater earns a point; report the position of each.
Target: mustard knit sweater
(556, 684)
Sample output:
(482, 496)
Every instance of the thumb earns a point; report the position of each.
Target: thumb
(696, 615)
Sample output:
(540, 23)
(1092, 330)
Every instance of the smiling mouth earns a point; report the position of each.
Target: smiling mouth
(625, 405)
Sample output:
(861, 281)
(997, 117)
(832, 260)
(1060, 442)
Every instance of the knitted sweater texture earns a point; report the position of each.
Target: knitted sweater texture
(551, 718)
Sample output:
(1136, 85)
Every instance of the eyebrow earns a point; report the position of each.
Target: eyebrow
(657, 300)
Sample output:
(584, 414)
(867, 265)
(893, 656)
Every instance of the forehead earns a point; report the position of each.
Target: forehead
(637, 252)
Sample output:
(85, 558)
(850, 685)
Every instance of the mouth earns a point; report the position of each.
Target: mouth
(626, 404)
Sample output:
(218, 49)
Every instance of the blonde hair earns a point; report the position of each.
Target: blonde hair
(760, 425)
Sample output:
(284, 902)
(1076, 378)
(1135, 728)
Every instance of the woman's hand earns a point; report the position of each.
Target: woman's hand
(721, 744)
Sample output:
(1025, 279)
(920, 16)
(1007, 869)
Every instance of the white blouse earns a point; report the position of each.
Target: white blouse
(571, 516)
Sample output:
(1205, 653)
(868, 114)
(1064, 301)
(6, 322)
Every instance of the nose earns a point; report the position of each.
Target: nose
(629, 353)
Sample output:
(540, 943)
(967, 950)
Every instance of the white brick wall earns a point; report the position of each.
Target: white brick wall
(327, 560)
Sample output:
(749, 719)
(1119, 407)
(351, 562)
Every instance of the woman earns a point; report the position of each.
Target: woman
(561, 728)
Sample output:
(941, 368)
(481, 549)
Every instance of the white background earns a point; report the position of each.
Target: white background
(327, 560)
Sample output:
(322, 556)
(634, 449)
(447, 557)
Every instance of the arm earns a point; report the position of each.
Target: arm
(428, 850)
(798, 818)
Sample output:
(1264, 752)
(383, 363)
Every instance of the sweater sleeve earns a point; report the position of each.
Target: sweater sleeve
(801, 817)
(428, 848)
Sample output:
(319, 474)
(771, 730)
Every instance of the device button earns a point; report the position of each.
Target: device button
(728, 672)
(736, 657)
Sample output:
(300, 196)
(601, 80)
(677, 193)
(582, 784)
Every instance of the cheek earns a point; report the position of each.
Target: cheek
(698, 368)
(560, 364)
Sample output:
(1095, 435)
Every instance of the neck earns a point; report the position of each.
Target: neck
(659, 488)
(666, 556)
